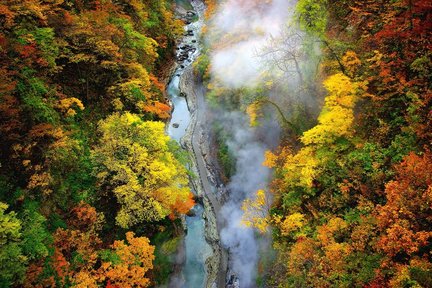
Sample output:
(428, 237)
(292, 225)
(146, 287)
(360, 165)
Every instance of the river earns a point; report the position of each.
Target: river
(205, 263)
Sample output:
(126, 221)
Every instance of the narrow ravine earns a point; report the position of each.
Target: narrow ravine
(205, 262)
(196, 142)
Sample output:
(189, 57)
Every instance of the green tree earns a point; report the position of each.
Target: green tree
(312, 16)
(12, 261)
(35, 236)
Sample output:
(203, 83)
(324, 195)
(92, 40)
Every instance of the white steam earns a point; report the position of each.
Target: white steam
(243, 29)
(239, 31)
(250, 176)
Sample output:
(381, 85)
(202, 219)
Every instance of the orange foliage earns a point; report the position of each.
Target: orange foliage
(405, 220)
(161, 110)
(326, 232)
(84, 243)
(155, 81)
(85, 279)
(182, 207)
(61, 265)
(302, 254)
(211, 8)
(136, 259)
(33, 275)
(84, 216)
(41, 180)
(7, 16)
(44, 130)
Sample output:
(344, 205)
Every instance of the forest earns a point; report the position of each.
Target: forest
(87, 172)
(352, 193)
(319, 121)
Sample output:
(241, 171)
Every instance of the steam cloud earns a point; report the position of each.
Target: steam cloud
(239, 29)
(249, 147)
(236, 65)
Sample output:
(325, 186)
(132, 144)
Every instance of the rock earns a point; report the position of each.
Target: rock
(190, 13)
(189, 33)
(191, 213)
(186, 47)
(194, 41)
(182, 94)
(175, 125)
(233, 282)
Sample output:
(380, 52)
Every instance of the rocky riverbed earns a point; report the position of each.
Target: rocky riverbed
(195, 140)
(187, 97)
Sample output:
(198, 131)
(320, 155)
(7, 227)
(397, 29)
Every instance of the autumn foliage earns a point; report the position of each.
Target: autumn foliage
(405, 219)
(352, 196)
(66, 66)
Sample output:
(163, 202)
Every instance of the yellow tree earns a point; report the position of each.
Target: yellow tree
(337, 114)
(135, 161)
(335, 121)
(256, 212)
(291, 225)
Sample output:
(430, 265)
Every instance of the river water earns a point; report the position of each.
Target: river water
(197, 250)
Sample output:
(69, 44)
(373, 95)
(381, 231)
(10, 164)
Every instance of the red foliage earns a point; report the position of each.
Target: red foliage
(27, 51)
(84, 216)
(109, 285)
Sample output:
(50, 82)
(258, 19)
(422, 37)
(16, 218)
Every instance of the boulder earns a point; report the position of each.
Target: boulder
(190, 14)
(191, 213)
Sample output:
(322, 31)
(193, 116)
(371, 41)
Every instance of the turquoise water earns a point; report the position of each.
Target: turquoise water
(196, 247)
(197, 250)
(180, 115)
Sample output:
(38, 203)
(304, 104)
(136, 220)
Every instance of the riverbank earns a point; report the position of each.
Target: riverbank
(195, 141)
(187, 99)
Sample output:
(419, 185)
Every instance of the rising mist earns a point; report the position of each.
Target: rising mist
(239, 32)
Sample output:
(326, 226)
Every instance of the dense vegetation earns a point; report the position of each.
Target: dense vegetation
(91, 187)
(351, 191)
(87, 173)
(352, 195)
